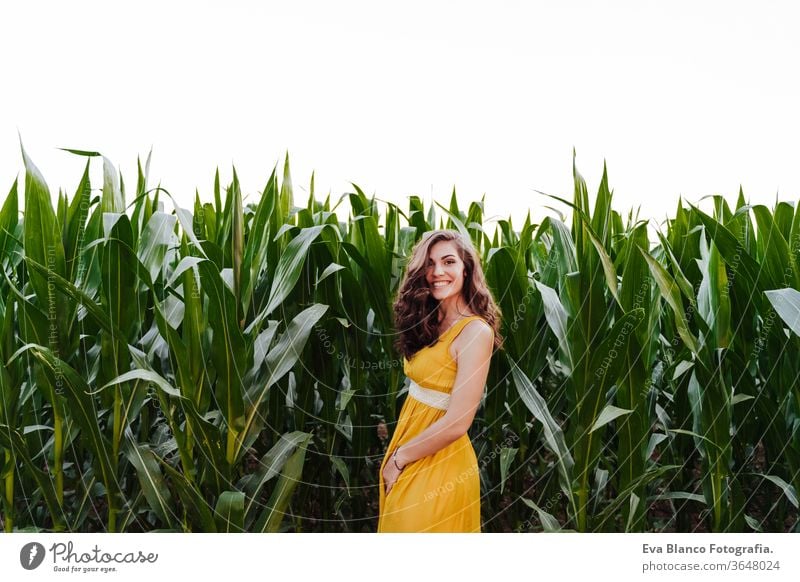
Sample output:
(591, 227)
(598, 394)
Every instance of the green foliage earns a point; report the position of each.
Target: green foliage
(226, 367)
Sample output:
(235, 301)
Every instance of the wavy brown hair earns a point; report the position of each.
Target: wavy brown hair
(416, 311)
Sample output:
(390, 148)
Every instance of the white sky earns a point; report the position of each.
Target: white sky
(681, 98)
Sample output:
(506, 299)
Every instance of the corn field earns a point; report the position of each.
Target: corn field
(230, 367)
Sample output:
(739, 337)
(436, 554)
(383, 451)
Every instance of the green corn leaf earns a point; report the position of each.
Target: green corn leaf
(507, 455)
(290, 265)
(787, 304)
(670, 292)
(272, 516)
(788, 490)
(608, 414)
(156, 237)
(270, 465)
(151, 479)
(229, 512)
(549, 523)
(8, 226)
(554, 437)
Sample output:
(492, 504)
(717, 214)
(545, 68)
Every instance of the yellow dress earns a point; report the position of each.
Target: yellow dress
(440, 492)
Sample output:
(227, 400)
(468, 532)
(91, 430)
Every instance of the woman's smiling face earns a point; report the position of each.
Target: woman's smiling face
(445, 270)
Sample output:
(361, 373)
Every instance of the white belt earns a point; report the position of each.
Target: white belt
(427, 396)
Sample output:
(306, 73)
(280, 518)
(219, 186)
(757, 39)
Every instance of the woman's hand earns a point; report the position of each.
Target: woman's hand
(391, 473)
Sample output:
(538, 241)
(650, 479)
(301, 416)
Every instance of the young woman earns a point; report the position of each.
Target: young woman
(448, 328)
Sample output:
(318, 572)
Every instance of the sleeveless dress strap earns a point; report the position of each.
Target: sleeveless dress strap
(457, 327)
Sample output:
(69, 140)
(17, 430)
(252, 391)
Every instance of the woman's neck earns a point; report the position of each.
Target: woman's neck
(450, 311)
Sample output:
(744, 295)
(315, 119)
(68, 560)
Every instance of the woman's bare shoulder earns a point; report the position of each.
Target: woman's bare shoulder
(474, 334)
(478, 328)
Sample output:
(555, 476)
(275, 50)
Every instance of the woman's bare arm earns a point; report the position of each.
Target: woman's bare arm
(474, 352)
